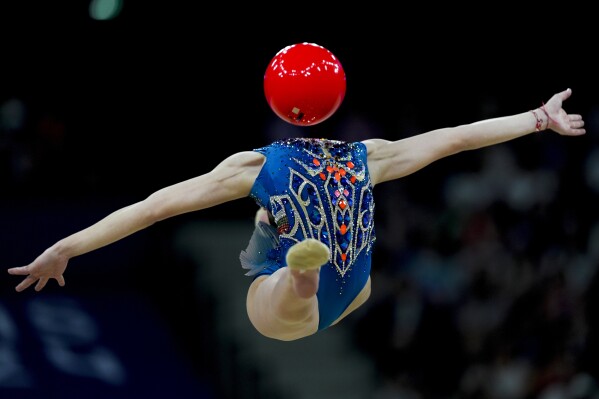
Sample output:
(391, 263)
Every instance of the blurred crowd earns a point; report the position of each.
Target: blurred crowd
(484, 273)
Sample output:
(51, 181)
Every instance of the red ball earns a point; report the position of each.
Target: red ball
(304, 84)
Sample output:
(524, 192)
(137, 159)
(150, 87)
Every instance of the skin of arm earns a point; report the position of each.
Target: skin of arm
(231, 179)
(389, 160)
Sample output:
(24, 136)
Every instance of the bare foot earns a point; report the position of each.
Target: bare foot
(304, 260)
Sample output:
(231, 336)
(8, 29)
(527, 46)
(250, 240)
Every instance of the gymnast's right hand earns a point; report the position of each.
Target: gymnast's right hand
(46, 266)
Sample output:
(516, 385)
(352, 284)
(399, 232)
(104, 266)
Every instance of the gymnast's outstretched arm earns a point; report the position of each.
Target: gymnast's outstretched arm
(229, 180)
(388, 160)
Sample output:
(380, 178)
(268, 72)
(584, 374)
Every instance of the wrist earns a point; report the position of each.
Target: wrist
(539, 120)
(60, 250)
(542, 118)
(546, 115)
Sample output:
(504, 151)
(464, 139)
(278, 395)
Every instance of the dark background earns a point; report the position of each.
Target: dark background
(166, 90)
(114, 110)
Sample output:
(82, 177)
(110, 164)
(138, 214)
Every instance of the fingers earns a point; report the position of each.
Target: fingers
(22, 271)
(41, 283)
(31, 279)
(25, 283)
(576, 124)
(566, 94)
(19, 271)
(575, 117)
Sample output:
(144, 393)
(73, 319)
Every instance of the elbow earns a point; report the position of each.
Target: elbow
(151, 210)
(458, 142)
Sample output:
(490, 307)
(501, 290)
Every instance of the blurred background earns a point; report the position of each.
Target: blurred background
(484, 273)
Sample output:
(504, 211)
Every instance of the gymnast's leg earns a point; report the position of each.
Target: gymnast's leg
(283, 305)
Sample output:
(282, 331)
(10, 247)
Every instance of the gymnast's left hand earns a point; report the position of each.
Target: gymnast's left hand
(559, 120)
(46, 266)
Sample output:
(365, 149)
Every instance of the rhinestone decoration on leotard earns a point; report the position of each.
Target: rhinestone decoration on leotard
(325, 183)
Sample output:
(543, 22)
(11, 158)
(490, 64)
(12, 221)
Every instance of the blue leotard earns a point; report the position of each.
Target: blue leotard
(320, 189)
